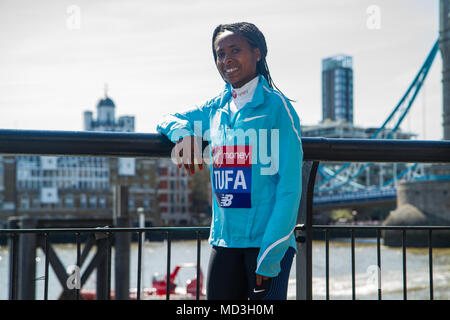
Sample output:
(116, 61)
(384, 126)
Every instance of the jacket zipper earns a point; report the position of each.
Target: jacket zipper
(232, 120)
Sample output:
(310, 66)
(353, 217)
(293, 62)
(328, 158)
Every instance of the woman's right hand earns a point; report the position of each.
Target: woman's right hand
(188, 153)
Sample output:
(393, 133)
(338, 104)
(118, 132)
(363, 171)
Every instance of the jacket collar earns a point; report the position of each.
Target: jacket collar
(258, 96)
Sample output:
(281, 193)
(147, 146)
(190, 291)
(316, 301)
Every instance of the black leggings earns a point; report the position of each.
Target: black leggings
(231, 275)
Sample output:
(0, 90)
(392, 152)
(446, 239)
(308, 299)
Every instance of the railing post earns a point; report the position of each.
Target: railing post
(27, 261)
(13, 243)
(122, 244)
(102, 267)
(304, 236)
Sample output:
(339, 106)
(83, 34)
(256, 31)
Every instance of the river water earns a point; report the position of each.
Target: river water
(155, 255)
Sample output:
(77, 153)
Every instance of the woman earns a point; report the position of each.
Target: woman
(256, 159)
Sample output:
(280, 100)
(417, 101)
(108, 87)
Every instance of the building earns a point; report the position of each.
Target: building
(444, 46)
(337, 88)
(343, 129)
(334, 129)
(174, 194)
(83, 187)
(2, 183)
(106, 118)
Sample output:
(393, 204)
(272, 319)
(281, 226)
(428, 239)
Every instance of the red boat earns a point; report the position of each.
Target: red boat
(159, 289)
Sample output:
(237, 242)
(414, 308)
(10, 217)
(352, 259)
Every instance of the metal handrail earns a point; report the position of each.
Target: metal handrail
(383, 227)
(206, 229)
(106, 229)
(147, 145)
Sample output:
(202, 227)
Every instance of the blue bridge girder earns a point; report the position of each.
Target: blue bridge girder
(360, 198)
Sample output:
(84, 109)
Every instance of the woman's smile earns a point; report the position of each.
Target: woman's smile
(231, 70)
(231, 74)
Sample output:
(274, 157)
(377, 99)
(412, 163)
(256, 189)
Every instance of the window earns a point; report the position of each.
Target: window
(35, 203)
(83, 201)
(68, 201)
(1, 175)
(340, 80)
(339, 73)
(163, 184)
(59, 204)
(147, 202)
(93, 202)
(102, 201)
(131, 202)
(339, 87)
(24, 202)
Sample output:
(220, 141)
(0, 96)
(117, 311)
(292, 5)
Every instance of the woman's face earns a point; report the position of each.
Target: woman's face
(235, 58)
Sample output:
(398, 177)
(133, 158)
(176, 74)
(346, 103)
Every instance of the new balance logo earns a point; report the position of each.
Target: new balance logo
(226, 200)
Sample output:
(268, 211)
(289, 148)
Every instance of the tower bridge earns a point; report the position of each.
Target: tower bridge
(368, 184)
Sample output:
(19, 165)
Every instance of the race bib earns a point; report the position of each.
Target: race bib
(232, 176)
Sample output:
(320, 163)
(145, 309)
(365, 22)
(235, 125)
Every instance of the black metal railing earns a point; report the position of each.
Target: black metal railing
(109, 233)
(33, 142)
(168, 231)
(305, 230)
(378, 229)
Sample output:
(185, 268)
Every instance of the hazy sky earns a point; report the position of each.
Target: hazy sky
(155, 56)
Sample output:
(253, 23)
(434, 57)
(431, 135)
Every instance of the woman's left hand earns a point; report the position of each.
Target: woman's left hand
(260, 278)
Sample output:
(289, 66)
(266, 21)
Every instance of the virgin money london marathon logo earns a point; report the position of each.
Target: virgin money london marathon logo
(232, 175)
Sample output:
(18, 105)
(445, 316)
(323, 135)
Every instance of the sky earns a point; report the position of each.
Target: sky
(155, 56)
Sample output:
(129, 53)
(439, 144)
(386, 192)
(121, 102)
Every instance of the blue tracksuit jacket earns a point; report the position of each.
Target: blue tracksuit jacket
(256, 170)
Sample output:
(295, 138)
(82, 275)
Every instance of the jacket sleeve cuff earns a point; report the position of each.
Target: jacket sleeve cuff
(177, 134)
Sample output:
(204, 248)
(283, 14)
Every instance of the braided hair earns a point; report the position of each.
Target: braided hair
(255, 39)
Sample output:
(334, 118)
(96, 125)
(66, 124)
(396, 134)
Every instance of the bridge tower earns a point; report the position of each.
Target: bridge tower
(444, 46)
(426, 202)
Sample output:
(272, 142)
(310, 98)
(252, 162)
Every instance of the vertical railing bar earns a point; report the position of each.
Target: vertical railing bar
(108, 265)
(379, 264)
(13, 271)
(78, 263)
(353, 264)
(430, 261)
(46, 235)
(327, 264)
(138, 292)
(405, 289)
(308, 225)
(197, 293)
(168, 267)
